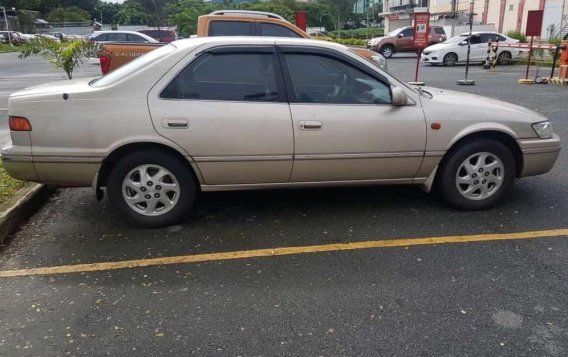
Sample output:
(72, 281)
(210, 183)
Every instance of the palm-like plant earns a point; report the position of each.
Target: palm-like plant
(62, 55)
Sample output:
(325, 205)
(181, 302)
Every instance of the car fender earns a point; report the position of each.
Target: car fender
(481, 127)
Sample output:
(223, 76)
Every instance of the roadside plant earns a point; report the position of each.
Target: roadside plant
(67, 56)
(517, 35)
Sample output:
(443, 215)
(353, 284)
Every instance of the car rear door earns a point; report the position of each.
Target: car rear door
(345, 127)
(227, 108)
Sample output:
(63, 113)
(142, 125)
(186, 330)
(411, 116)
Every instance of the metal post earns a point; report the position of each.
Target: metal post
(530, 55)
(554, 60)
(466, 81)
(7, 27)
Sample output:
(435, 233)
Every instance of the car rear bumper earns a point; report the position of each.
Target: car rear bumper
(54, 170)
(539, 155)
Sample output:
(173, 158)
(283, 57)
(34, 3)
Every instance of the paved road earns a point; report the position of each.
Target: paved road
(491, 298)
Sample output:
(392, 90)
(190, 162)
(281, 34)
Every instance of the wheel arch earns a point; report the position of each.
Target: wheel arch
(504, 136)
(119, 152)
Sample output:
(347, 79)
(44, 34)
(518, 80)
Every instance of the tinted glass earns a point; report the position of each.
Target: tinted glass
(475, 40)
(119, 37)
(226, 76)
(135, 38)
(408, 33)
(439, 30)
(276, 31)
(486, 37)
(229, 28)
(320, 79)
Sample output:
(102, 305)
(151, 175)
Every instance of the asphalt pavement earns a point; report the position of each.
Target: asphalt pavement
(487, 298)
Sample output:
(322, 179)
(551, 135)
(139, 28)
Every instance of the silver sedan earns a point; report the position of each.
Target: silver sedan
(217, 114)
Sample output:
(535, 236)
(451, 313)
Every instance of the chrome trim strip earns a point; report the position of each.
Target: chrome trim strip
(15, 158)
(371, 155)
(67, 159)
(541, 150)
(242, 158)
(278, 185)
(434, 153)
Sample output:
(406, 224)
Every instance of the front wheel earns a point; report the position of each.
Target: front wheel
(477, 175)
(450, 59)
(504, 58)
(151, 188)
(387, 51)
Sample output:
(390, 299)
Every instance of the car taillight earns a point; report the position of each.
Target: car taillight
(19, 124)
(105, 63)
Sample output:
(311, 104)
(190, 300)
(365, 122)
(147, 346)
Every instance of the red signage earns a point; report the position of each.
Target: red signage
(421, 29)
(301, 20)
(534, 23)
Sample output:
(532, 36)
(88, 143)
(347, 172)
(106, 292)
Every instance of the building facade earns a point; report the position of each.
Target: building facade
(504, 15)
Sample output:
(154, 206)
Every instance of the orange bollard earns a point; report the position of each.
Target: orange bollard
(564, 55)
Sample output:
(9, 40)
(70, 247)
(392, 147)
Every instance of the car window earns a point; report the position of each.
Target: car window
(226, 76)
(322, 79)
(230, 28)
(101, 37)
(439, 30)
(133, 66)
(135, 38)
(502, 38)
(486, 37)
(475, 39)
(118, 37)
(408, 33)
(276, 30)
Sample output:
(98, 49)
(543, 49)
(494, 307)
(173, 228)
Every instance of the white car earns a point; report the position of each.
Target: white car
(454, 50)
(121, 36)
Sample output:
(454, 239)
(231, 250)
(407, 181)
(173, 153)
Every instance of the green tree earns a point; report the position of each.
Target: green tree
(62, 55)
(340, 9)
(68, 14)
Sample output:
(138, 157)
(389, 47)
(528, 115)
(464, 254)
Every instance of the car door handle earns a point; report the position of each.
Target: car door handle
(175, 123)
(310, 125)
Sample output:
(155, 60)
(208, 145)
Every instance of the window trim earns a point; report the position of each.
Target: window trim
(324, 52)
(225, 49)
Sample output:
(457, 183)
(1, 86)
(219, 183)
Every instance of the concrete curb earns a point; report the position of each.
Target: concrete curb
(21, 207)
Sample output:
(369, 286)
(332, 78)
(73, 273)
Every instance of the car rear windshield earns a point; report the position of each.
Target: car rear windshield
(439, 30)
(134, 66)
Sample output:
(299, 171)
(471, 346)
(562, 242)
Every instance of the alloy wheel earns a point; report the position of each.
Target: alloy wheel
(480, 176)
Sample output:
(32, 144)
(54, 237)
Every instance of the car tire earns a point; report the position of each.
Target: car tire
(450, 59)
(477, 174)
(387, 51)
(504, 58)
(151, 188)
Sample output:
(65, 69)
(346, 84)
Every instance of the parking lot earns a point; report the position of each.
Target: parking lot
(326, 272)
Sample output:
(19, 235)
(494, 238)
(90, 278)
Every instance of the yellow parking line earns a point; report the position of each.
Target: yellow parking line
(270, 252)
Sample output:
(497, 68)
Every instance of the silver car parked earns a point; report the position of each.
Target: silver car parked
(238, 113)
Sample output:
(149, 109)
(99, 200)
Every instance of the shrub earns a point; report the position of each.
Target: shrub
(361, 34)
(517, 36)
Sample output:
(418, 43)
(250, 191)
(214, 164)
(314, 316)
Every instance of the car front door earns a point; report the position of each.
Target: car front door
(227, 108)
(478, 49)
(345, 127)
(405, 41)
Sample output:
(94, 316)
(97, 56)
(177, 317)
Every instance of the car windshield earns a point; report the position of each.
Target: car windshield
(457, 39)
(134, 66)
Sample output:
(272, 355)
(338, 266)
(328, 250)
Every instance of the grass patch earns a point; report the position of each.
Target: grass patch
(8, 185)
(7, 48)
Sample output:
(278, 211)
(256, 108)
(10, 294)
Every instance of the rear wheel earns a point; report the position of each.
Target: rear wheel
(450, 59)
(477, 175)
(387, 51)
(151, 188)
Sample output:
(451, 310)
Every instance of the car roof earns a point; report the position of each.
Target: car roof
(482, 33)
(255, 40)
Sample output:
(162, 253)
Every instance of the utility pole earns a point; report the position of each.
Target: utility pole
(7, 27)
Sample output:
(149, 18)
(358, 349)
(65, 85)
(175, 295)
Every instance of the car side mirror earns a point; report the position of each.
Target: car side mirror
(463, 43)
(400, 35)
(399, 97)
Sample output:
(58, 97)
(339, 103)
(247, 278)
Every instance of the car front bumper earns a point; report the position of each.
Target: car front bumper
(432, 58)
(539, 155)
